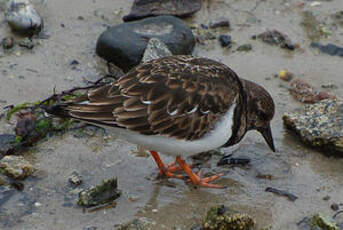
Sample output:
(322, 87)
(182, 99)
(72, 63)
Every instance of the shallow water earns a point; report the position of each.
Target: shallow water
(32, 75)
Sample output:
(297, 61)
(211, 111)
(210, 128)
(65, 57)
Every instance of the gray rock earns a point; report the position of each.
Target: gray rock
(7, 144)
(155, 49)
(319, 125)
(16, 167)
(23, 18)
(124, 44)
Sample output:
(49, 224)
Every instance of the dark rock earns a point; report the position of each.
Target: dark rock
(74, 62)
(319, 125)
(285, 193)
(274, 37)
(7, 42)
(203, 26)
(334, 207)
(27, 43)
(220, 23)
(147, 8)
(124, 44)
(101, 194)
(155, 49)
(330, 49)
(23, 18)
(25, 124)
(7, 144)
(225, 40)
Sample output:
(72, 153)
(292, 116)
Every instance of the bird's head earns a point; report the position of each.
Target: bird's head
(260, 109)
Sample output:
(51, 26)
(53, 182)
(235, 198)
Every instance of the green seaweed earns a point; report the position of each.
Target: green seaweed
(18, 139)
(19, 107)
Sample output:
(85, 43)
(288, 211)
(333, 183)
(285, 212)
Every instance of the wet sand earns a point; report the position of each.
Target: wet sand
(32, 75)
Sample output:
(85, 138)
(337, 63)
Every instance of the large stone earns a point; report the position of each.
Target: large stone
(147, 8)
(124, 44)
(319, 125)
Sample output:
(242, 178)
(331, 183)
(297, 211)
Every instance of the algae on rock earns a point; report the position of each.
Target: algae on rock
(220, 218)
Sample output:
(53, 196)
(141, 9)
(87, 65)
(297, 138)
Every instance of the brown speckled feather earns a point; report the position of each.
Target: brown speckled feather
(177, 96)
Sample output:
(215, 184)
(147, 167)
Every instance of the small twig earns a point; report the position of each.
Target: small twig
(290, 196)
(57, 97)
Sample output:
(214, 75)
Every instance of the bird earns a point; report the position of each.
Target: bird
(179, 106)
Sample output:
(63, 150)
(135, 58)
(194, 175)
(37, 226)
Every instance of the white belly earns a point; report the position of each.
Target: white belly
(172, 146)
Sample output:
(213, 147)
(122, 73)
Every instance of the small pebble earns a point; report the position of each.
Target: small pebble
(244, 47)
(74, 62)
(7, 42)
(37, 204)
(326, 198)
(220, 23)
(154, 210)
(75, 178)
(285, 75)
(334, 206)
(27, 43)
(203, 26)
(225, 40)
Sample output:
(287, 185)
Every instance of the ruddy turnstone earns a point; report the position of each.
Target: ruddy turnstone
(180, 106)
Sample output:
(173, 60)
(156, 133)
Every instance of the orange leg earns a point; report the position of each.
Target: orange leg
(196, 178)
(169, 170)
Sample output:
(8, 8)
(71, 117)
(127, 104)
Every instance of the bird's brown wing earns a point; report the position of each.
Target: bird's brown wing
(177, 96)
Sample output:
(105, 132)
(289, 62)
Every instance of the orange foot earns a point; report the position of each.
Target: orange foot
(196, 178)
(166, 170)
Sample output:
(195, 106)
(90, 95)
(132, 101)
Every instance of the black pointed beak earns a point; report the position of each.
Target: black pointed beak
(267, 134)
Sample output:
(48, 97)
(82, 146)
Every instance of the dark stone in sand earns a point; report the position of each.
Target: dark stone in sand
(225, 40)
(330, 49)
(274, 37)
(220, 23)
(7, 144)
(147, 8)
(7, 42)
(124, 44)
